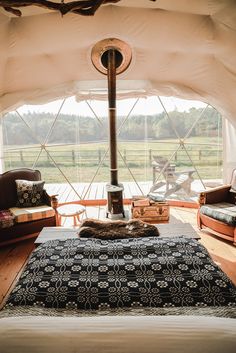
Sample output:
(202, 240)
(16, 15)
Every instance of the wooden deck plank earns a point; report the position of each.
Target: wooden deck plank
(65, 192)
(145, 186)
(51, 189)
(100, 191)
(97, 191)
(126, 190)
(92, 191)
(80, 189)
(72, 196)
(101, 211)
(86, 191)
(58, 190)
(54, 189)
(132, 190)
(93, 212)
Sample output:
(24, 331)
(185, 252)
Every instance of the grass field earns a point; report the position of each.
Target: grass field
(80, 162)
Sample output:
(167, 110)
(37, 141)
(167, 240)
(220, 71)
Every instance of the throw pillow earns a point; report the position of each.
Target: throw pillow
(6, 219)
(93, 228)
(29, 193)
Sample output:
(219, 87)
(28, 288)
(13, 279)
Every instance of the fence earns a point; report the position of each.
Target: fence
(90, 158)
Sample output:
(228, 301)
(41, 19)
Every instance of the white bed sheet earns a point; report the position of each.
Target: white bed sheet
(123, 334)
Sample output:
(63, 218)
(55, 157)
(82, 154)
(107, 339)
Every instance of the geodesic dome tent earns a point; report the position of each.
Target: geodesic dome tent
(180, 48)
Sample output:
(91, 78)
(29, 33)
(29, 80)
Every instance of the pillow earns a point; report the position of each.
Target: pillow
(6, 219)
(29, 193)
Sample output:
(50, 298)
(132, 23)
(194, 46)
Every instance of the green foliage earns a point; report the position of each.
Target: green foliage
(71, 129)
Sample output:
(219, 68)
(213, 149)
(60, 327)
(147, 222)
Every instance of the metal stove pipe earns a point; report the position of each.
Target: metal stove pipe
(111, 57)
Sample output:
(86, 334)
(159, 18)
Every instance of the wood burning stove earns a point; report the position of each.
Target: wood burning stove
(111, 57)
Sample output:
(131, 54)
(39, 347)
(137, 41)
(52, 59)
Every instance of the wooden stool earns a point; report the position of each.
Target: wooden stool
(70, 210)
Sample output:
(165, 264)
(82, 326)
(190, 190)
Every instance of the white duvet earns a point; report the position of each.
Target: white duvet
(121, 334)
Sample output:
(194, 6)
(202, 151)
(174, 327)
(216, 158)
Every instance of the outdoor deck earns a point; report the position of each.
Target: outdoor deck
(97, 191)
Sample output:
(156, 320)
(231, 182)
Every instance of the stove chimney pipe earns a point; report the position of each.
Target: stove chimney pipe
(111, 57)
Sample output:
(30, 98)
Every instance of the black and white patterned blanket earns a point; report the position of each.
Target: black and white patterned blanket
(126, 273)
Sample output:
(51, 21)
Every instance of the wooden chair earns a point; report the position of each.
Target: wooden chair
(217, 210)
(174, 181)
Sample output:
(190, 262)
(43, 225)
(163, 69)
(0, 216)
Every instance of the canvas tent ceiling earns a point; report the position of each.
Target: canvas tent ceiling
(183, 48)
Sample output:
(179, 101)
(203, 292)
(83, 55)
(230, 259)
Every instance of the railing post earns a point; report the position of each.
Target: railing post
(150, 156)
(73, 157)
(99, 156)
(124, 155)
(200, 155)
(21, 157)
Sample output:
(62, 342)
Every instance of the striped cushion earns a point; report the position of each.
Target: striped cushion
(223, 211)
(32, 213)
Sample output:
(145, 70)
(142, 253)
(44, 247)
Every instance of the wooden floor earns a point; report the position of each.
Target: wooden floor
(13, 258)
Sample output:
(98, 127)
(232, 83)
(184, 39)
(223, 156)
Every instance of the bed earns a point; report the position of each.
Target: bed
(133, 276)
(141, 295)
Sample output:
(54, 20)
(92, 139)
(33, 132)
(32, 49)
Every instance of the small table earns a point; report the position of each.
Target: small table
(70, 210)
(55, 233)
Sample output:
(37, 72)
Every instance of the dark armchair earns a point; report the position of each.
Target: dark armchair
(217, 210)
(28, 224)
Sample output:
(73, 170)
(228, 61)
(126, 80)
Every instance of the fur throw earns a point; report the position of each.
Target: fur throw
(93, 228)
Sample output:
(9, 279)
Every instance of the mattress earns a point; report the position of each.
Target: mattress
(158, 334)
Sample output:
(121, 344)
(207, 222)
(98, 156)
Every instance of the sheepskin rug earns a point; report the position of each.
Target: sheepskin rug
(93, 228)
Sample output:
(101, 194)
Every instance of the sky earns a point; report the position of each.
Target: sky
(145, 106)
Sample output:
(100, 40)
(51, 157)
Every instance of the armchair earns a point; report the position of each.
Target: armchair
(173, 180)
(27, 222)
(217, 210)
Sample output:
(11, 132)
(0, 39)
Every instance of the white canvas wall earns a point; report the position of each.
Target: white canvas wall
(229, 148)
(180, 48)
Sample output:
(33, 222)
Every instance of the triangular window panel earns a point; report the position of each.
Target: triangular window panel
(56, 176)
(40, 118)
(16, 132)
(21, 157)
(77, 123)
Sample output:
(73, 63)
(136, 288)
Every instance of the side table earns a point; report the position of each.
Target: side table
(70, 210)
